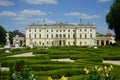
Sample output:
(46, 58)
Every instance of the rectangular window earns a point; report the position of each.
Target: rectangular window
(39, 35)
(51, 30)
(52, 36)
(30, 30)
(73, 43)
(29, 35)
(80, 30)
(85, 36)
(60, 35)
(90, 30)
(40, 42)
(68, 30)
(68, 36)
(73, 35)
(90, 35)
(73, 30)
(68, 42)
(56, 35)
(80, 43)
(80, 35)
(47, 35)
(35, 36)
(64, 35)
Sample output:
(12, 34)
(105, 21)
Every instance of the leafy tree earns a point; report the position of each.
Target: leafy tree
(113, 18)
(11, 37)
(2, 35)
(13, 34)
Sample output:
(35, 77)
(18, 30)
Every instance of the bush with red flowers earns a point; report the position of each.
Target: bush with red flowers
(21, 72)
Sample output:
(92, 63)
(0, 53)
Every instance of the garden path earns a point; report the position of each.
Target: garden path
(111, 62)
(23, 55)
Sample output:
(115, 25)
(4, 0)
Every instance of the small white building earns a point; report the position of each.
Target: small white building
(61, 35)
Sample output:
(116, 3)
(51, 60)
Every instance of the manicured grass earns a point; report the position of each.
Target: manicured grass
(43, 67)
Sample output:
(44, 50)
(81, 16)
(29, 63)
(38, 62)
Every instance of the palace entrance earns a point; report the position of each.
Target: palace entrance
(60, 43)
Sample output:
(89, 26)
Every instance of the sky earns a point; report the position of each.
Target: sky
(17, 14)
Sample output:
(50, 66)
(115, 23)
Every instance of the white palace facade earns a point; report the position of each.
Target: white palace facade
(61, 35)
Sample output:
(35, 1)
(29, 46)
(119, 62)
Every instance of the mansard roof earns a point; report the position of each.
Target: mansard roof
(60, 25)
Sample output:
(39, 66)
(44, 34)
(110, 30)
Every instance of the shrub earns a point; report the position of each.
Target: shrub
(20, 71)
(99, 73)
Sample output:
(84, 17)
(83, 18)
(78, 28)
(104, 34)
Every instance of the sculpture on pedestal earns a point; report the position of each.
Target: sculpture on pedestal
(17, 41)
(31, 43)
(7, 46)
(95, 43)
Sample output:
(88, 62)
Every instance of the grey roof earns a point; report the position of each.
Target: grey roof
(60, 25)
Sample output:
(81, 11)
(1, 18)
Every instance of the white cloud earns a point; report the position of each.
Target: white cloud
(6, 3)
(50, 13)
(82, 15)
(104, 0)
(7, 14)
(30, 13)
(28, 16)
(41, 1)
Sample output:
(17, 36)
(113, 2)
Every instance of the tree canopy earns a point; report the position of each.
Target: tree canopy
(113, 19)
(13, 34)
(2, 35)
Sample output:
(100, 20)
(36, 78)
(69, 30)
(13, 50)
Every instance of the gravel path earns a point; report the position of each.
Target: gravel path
(111, 62)
(23, 55)
(63, 60)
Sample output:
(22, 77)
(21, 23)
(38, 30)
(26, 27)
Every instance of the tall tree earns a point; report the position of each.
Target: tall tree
(113, 19)
(2, 35)
(13, 34)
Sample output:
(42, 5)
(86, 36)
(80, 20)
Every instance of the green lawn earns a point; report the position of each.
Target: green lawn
(43, 67)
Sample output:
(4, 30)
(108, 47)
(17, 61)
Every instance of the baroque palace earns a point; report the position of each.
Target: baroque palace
(60, 34)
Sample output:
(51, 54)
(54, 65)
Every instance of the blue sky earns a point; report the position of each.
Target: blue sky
(16, 14)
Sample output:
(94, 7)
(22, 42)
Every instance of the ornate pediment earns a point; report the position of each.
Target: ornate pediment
(60, 25)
